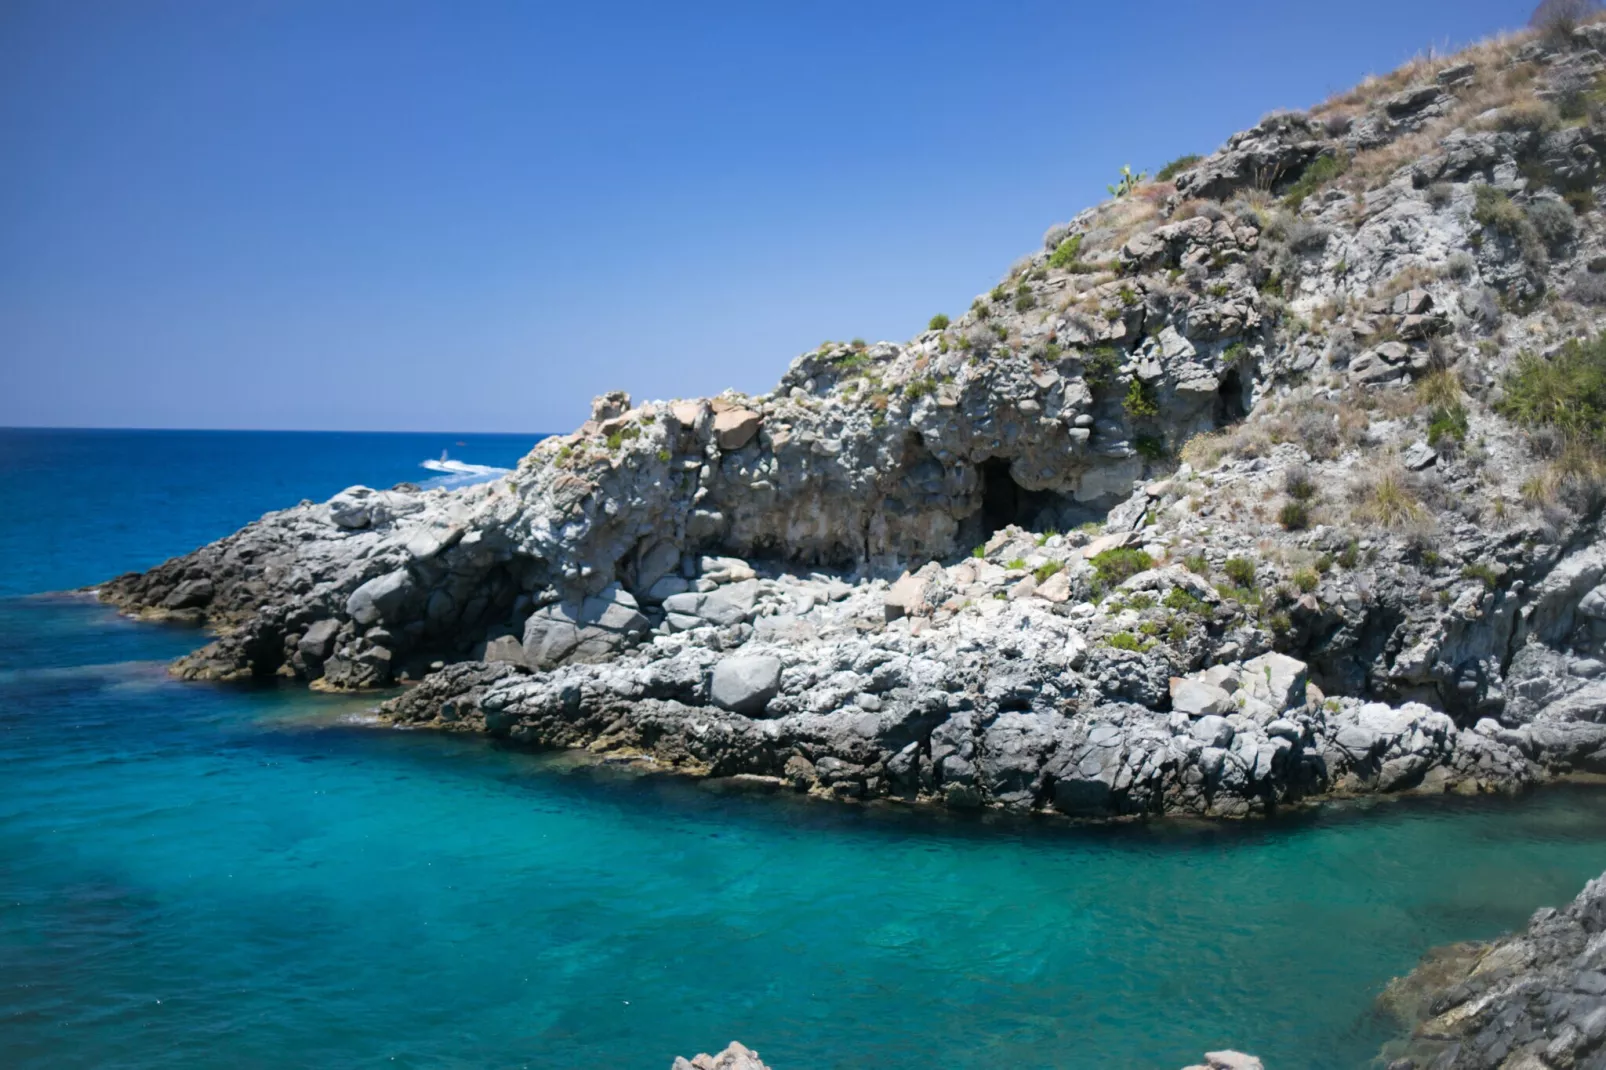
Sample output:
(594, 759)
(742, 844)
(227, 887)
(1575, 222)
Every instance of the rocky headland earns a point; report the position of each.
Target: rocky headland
(1252, 485)
(1276, 477)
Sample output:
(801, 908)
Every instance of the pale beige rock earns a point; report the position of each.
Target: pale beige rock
(1057, 588)
(734, 1057)
(735, 428)
(1116, 541)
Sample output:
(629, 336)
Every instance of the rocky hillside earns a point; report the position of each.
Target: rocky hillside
(1276, 476)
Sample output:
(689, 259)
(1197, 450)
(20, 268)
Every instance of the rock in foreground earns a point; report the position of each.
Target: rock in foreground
(734, 1057)
(1533, 1000)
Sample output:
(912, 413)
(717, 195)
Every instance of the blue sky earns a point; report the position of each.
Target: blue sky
(474, 216)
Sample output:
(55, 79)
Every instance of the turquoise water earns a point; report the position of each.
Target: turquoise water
(205, 876)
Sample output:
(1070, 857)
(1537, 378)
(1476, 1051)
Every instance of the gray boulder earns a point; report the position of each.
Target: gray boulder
(1197, 697)
(745, 684)
(380, 598)
(319, 640)
(590, 631)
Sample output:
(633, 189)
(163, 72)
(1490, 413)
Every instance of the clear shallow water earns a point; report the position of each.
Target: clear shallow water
(204, 876)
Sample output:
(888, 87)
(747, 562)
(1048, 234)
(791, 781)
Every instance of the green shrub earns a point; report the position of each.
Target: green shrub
(1149, 447)
(1114, 566)
(915, 389)
(1100, 367)
(1127, 641)
(938, 322)
(1047, 569)
(1197, 563)
(1294, 516)
(1024, 301)
(1566, 393)
(1044, 536)
(1017, 564)
(999, 293)
(1184, 601)
(1350, 556)
(1306, 580)
(1065, 254)
(664, 455)
(1248, 596)
(1322, 171)
(1240, 570)
(1484, 572)
(979, 551)
(1177, 166)
(1141, 402)
(1446, 424)
(623, 435)
(1494, 209)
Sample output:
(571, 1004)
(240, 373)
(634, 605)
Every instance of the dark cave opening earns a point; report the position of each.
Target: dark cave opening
(1005, 502)
(1230, 407)
(1001, 497)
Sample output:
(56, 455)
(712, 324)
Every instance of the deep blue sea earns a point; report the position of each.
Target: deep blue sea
(204, 876)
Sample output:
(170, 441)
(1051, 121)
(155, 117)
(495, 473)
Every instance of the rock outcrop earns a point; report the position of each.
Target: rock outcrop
(734, 1057)
(1217, 502)
(1534, 1000)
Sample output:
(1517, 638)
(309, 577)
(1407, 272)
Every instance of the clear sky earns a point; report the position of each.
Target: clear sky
(475, 215)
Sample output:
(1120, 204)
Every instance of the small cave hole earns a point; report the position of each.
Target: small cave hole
(1230, 407)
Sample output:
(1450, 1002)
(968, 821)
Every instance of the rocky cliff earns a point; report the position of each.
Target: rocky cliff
(1278, 477)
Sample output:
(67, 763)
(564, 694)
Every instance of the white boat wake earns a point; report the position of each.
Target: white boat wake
(460, 473)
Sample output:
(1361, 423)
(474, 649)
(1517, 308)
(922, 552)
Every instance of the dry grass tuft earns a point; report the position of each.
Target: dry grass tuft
(1440, 389)
(1385, 498)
